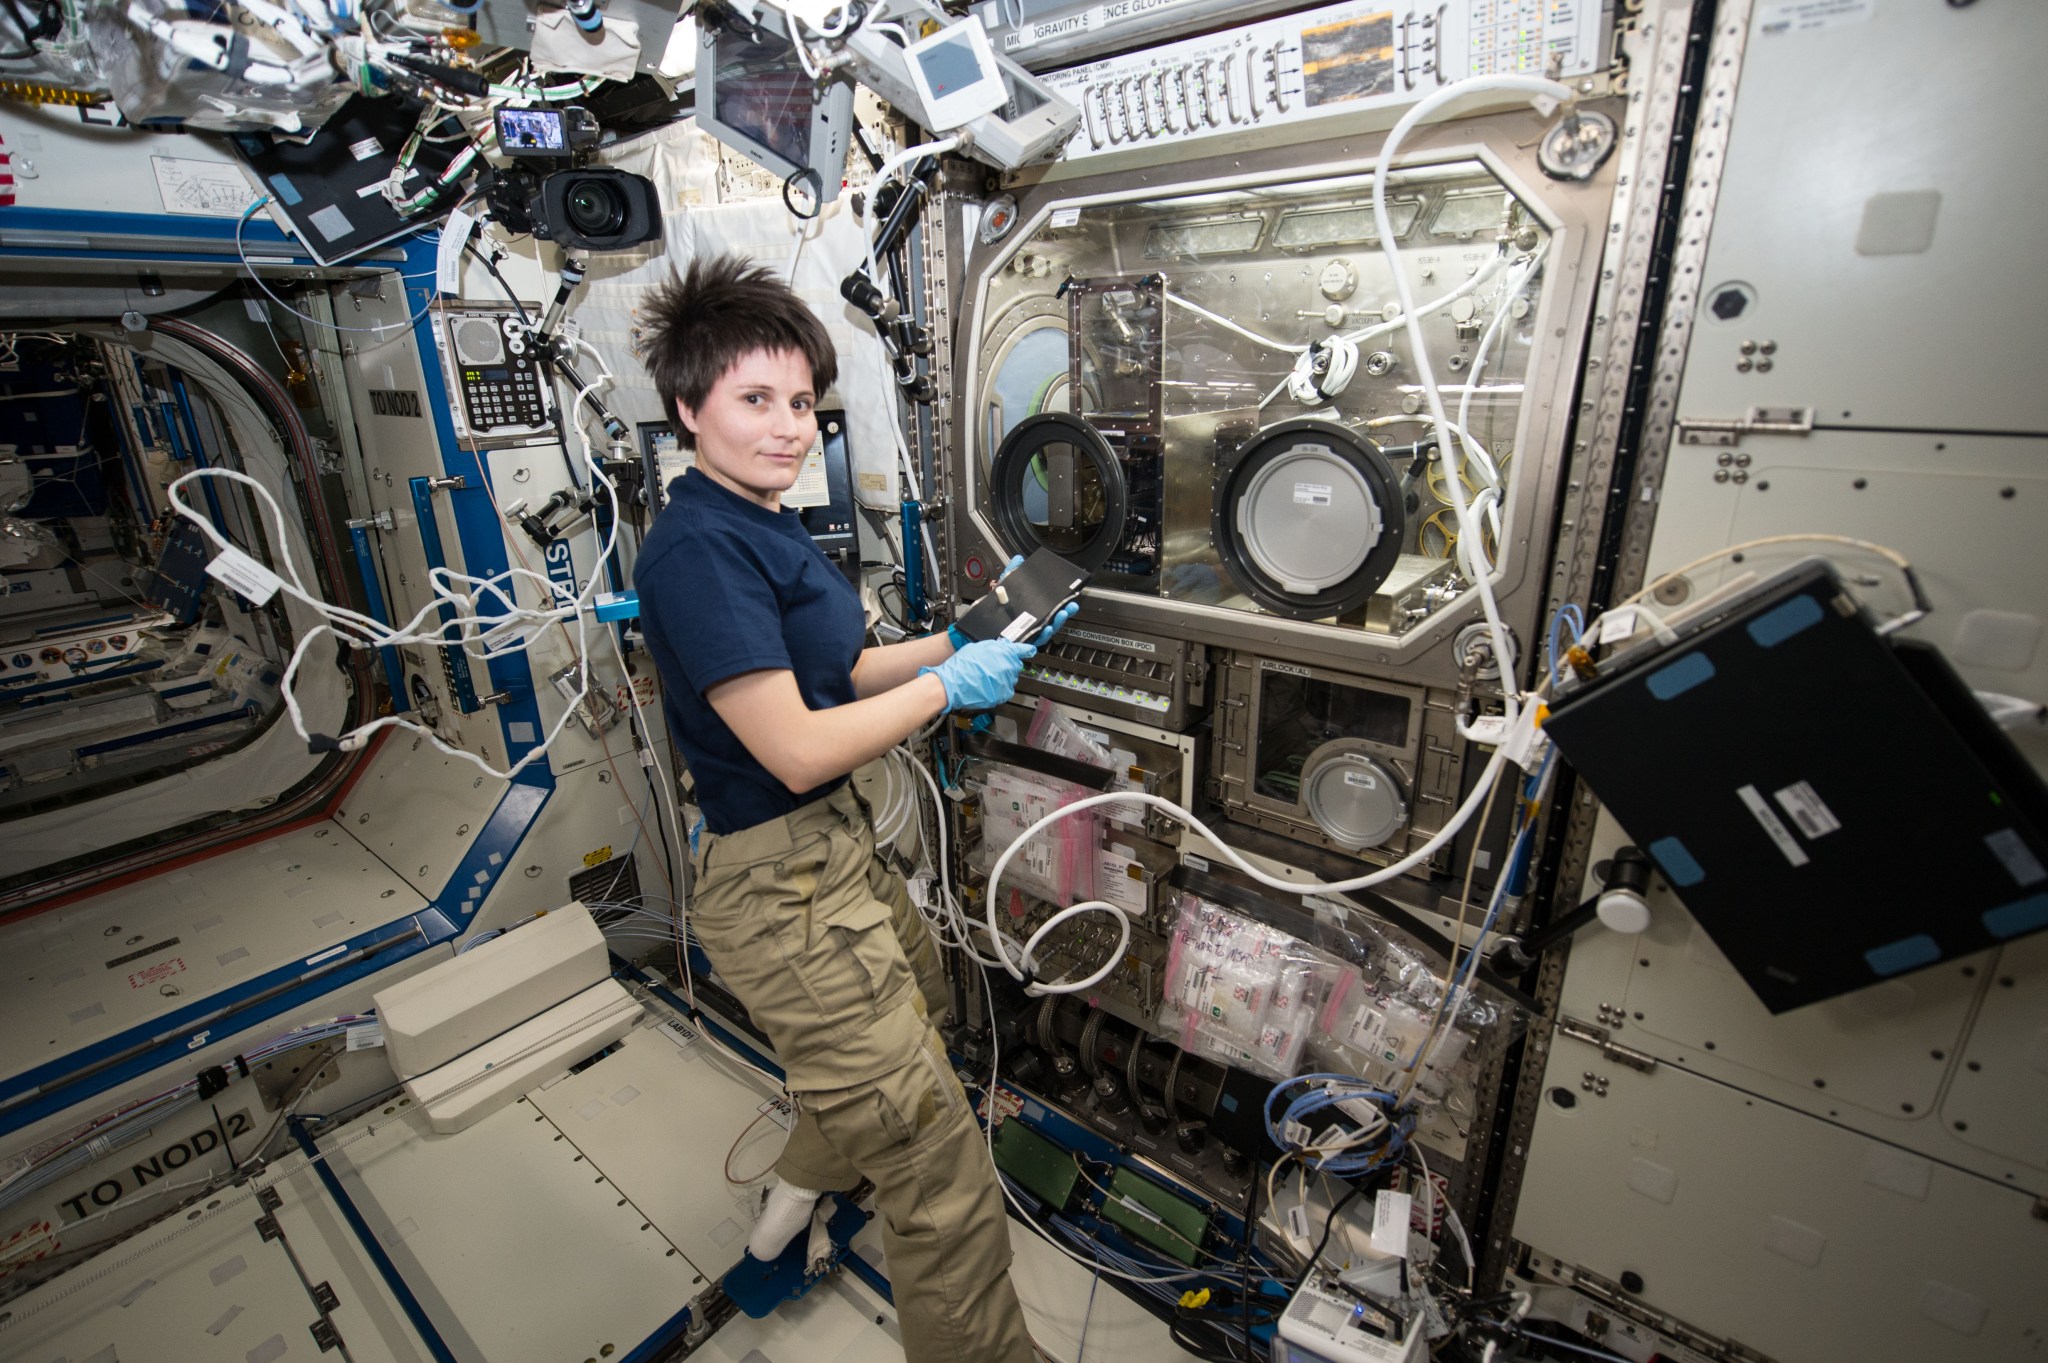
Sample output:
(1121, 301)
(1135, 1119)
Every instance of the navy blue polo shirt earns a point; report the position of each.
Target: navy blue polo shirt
(726, 587)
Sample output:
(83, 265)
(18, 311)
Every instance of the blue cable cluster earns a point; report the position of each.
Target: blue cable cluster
(1570, 617)
(1321, 1092)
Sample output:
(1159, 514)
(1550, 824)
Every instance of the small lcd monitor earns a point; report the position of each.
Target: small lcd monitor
(754, 95)
(532, 132)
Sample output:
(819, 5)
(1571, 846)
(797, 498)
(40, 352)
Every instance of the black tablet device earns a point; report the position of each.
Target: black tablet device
(1018, 606)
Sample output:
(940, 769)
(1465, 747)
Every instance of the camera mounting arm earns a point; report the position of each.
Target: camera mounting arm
(553, 353)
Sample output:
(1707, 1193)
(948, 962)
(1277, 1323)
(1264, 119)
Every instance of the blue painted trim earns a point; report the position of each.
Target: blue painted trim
(374, 1249)
(1908, 953)
(195, 1025)
(2022, 915)
(437, 560)
(1780, 623)
(67, 683)
(869, 1274)
(373, 592)
(1674, 680)
(477, 527)
(1680, 867)
(490, 856)
(259, 231)
(74, 626)
(913, 560)
(166, 731)
(130, 462)
(658, 1344)
(199, 459)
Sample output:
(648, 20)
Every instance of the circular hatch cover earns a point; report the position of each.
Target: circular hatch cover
(1308, 519)
(1353, 798)
(1056, 483)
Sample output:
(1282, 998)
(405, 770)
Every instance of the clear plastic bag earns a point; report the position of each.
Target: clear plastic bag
(144, 52)
(1059, 864)
(1376, 1022)
(1051, 731)
(1241, 992)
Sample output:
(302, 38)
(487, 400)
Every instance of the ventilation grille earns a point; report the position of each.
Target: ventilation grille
(612, 882)
(478, 341)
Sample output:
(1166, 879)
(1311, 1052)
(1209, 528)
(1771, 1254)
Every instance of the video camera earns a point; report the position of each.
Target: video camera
(594, 209)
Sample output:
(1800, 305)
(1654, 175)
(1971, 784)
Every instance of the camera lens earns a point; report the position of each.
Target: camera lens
(595, 208)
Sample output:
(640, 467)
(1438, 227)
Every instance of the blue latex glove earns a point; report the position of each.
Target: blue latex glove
(983, 674)
(1059, 620)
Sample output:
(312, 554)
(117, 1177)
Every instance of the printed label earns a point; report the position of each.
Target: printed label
(1809, 16)
(1312, 494)
(244, 575)
(365, 1036)
(1008, 1104)
(1773, 826)
(1390, 1213)
(1121, 881)
(160, 1162)
(1066, 217)
(365, 149)
(1268, 665)
(1113, 640)
(162, 970)
(2018, 859)
(780, 1111)
(1616, 625)
(1361, 778)
(1807, 809)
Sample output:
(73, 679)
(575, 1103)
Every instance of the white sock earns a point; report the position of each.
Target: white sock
(786, 1211)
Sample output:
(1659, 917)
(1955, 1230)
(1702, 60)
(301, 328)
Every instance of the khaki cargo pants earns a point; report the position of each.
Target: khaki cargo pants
(817, 937)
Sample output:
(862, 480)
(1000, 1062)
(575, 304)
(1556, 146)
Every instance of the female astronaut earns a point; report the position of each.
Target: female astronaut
(773, 700)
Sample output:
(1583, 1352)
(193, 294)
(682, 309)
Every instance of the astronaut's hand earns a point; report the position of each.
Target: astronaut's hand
(983, 674)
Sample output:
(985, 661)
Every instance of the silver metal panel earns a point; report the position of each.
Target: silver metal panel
(66, 986)
(1882, 310)
(515, 1248)
(1574, 214)
(534, 475)
(1796, 1237)
(627, 1112)
(420, 809)
(1998, 1092)
(1878, 1060)
(1966, 509)
(397, 449)
(205, 1286)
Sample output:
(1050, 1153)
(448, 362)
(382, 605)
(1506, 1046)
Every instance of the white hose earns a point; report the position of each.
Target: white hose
(1468, 530)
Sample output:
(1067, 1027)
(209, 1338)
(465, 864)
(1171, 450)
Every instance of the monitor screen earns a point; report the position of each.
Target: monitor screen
(760, 92)
(531, 130)
(950, 66)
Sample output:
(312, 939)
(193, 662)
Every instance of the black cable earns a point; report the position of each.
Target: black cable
(1251, 1215)
(1330, 1224)
(492, 265)
(813, 183)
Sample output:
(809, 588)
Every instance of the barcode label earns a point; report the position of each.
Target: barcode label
(1805, 808)
(244, 576)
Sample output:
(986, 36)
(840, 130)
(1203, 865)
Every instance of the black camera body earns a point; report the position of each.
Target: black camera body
(600, 209)
(595, 209)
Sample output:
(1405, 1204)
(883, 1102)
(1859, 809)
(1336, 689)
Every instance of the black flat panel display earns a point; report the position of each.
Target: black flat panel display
(1834, 807)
